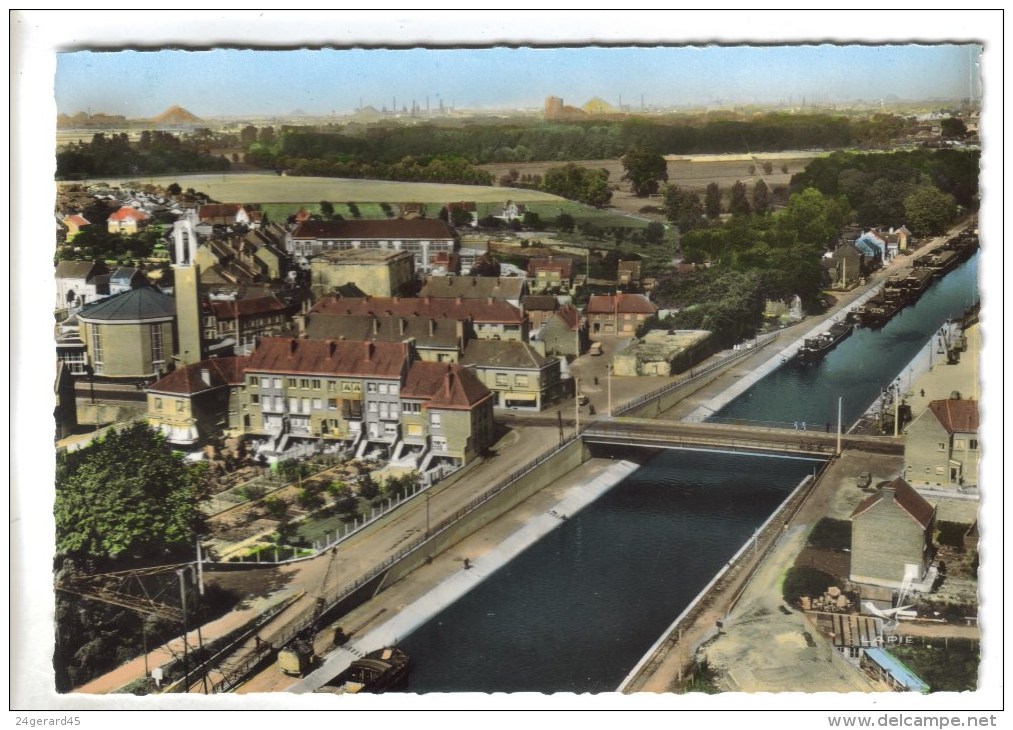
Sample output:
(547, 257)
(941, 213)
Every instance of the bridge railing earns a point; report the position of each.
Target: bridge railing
(695, 375)
(618, 435)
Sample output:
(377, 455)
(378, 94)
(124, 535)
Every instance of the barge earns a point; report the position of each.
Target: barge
(814, 348)
(384, 670)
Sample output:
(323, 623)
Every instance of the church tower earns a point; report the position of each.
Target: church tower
(187, 287)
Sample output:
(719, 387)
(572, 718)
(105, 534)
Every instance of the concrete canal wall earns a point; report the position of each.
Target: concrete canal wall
(457, 585)
(562, 462)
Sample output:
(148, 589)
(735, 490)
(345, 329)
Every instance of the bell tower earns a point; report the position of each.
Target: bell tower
(186, 273)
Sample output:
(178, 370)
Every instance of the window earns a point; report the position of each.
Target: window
(316, 385)
(435, 420)
(254, 381)
(96, 348)
(255, 399)
(179, 405)
(942, 446)
(157, 353)
(304, 383)
(411, 408)
(439, 443)
(372, 406)
(392, 388)
(317, 404)
(958, 443)
(331, 386)
(158, 404)
(521, 381)
(277, 383)
(973, 444)
(371, 388)
(332, 404)
(501, 379)
(291, 382)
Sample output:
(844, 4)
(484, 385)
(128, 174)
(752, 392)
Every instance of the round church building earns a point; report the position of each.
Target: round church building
(129, 335)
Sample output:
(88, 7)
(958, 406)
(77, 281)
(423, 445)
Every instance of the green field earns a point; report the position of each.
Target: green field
(271, 188)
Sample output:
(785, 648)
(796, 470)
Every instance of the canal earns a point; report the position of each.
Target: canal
(577, 610)
(857, 368)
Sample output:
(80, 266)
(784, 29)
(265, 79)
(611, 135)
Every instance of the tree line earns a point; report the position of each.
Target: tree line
(154, 153)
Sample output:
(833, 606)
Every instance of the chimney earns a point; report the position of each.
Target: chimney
(376, 325)
(402, 325)
(333, 348)
(293, 344)
(370, 348)
(889, 493)
(432, 327)
(205, 376)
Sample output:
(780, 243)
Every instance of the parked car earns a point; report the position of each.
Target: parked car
(595, 348)
(863, 480)
(582, 399)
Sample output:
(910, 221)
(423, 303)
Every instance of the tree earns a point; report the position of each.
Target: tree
(354, 210)
(532, 219)
(655, 232)
(740, 201)
(127, 495)
(953, 128)
(768, 168)
(565, 222)
(174, 189)
(460, 217)
(327, 209)
(761, 197)
(682, 207)
(712, 201)
(645, 169)
(928, 210)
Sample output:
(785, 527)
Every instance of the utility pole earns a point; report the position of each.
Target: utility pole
(610, 389)
(182, 596)
(840, 425)
(200, 570)
(896, 408)
(576, 406)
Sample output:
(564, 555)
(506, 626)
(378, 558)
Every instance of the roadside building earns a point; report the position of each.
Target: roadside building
(562, 334)
(129, 335)
(517, 375)
(74, 223)
(664, 353)
(447, 415)
(197, 401)
(891, 538)
(618, 314)
(628, 273)
(378, 272)
(941, 445)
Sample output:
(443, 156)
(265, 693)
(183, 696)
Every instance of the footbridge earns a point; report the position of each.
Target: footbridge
(658, 434)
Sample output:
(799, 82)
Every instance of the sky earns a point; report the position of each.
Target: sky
(229, 81)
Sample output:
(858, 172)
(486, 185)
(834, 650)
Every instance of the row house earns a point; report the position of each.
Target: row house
(490, 319)
(941, 445)
(366, 394)
(423, 238)
(509, 289)
(435, 340)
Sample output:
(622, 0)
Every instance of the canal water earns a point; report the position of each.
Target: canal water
(577, 610)
(859, 367)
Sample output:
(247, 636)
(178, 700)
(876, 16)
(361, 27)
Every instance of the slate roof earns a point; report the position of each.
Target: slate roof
(621, 304)
(385, 229)
(907, 499)
(956, 416)
(426, 332)
(228, 309)
(496, 311)
(444, 385)
(137, 304)
(189, 380)
(78, 269)
(502, 353)
(474, 287)
(328, 357)
(540, 303)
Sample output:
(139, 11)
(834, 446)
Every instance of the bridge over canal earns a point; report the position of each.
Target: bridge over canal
(660, 434)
